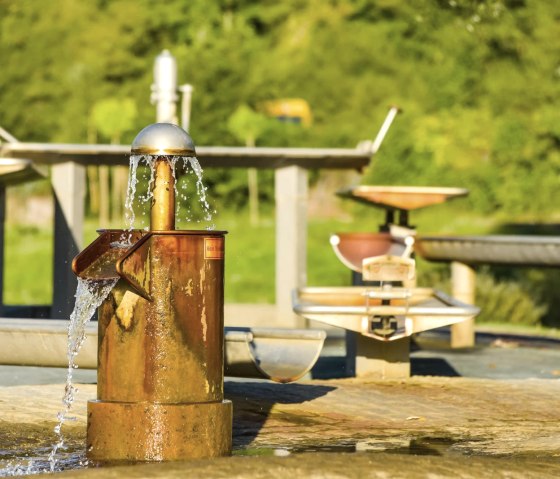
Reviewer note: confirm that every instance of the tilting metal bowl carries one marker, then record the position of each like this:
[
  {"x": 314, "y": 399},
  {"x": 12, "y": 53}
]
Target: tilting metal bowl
[{"x": 383, "y": 314}]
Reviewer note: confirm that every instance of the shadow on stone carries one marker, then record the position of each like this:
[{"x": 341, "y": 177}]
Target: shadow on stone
[
  {"x": 432, "y": 367},
  {"x": 329, "y": 367},
  {"x": 253, "y": 401}
]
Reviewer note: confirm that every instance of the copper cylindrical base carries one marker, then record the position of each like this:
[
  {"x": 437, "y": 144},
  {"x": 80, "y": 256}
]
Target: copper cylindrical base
[{"x": 120, "y": 431}]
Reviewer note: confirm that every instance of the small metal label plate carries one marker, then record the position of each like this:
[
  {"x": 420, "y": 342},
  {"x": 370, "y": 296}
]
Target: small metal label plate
[{"x": 213, "y": 248}]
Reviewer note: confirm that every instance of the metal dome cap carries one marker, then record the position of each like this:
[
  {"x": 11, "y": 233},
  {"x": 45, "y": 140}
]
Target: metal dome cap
[{"x": 163, "y": 139}]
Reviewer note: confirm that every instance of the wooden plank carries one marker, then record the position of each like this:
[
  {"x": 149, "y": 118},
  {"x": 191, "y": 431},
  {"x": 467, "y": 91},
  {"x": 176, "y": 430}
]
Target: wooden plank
[{"x": 209, "y": 156}]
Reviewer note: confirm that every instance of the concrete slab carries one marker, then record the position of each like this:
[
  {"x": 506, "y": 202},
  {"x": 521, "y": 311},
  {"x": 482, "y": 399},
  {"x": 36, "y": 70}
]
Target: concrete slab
[
  {"x": 424, "y": 427},
  {"x": 420, "y": 427}
]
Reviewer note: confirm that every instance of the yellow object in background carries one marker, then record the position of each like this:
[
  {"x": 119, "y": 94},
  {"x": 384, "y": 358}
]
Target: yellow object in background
[{"x": 290, "y": 110}]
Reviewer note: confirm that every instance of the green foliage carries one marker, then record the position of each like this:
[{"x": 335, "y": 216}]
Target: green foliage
[
  {"x": 478, "y": 81},
  {"x": 506, "y": 301},
  {"x": 247, "y": 125},
  {"x": 113, "y": 116},
  {"x": 33, "y": 248}
]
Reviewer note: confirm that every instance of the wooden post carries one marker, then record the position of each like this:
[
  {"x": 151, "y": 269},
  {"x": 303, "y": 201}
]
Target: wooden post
[
  {"x": 377, "y": 359},
  {"x": 2, "y": 231},
  {"x": 68, "y": 182},
  {"x": 463, "y": 285},
  {"x": 290, "y": 185}
]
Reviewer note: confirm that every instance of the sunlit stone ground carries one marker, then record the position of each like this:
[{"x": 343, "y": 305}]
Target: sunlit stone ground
[
  {"x": 496, "y": 415},
  {"x": 446, "y": 427}
]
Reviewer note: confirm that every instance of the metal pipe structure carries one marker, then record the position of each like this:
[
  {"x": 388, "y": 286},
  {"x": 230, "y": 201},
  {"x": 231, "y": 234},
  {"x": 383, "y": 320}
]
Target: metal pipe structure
[
  {"x": 161, "y": 332},
  {"x": 281, "y": 355},
  {"x": 391, "y": 114},
  {"x": 388, "y": 317},
  {"x": 186, "y": 101},
  {"x": 164, "y": 88}
]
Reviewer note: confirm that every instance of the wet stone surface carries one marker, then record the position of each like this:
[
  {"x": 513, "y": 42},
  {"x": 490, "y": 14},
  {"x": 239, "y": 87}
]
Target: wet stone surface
[
  {"x": 421, "y": 427},
  {"x": 335, "y": 466}
]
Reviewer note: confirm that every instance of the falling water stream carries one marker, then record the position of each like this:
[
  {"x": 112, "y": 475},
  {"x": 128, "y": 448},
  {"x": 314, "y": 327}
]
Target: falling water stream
[{"x": 90, "y": 294}]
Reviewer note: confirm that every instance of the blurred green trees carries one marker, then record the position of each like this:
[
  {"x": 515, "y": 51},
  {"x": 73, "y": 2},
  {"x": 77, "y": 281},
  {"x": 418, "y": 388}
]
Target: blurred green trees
[
  {"x": 478, "y": 80},
  {"x": 247, "y": 125}
]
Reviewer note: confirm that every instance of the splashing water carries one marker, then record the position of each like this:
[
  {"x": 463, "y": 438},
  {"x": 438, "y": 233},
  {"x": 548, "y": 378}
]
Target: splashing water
[
  {"x": 190, "y": 165},
  {"x": 200, "y": 188},
  {"x": 89, "y": 296},
  {"x": 131, "y": 191}
]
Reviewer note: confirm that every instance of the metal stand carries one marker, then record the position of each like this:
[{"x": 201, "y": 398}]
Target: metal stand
[{"x": 373, "y": 358}]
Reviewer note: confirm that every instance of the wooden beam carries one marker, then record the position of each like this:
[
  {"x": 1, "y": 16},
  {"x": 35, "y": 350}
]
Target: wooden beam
[
  {"x": 69, "y": 186},
  {"x": 209, "y": 156},
  {"x": 368, "y": 357},
  {"x": 291, "y": 240},
  {"x": 2, "y": 244},
  {"x": 463, "y": 285}
]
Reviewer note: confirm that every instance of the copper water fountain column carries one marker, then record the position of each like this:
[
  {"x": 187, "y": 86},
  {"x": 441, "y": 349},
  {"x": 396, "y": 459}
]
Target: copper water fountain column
[{"x": 160, "y": 357}]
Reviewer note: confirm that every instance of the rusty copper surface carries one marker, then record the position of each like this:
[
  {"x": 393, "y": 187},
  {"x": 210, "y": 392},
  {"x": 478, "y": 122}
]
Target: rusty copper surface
[
  {"x": 402, "y": 197},
  {"x": 98, "y": 260},
  {"x": 162, "y": 213},
  {"x": 173, "y": 344},
  {"x": 160, "y": 342},
  {"x": 158, "y": 432}
]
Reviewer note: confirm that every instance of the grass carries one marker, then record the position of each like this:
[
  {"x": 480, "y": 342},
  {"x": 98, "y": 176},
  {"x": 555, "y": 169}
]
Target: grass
[
  {"x": 250, "y": 255},
  {"x": 27, "y": 265},
  {"x": 523, "y": 329}
]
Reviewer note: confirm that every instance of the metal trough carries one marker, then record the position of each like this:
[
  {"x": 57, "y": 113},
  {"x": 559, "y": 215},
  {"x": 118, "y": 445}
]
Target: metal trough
[
  {"x": 276, "y": 354},
  {"x": 383, "y": 314},
  {"x": 282, "y": 355},
  {"x": 495, "y": 250}
]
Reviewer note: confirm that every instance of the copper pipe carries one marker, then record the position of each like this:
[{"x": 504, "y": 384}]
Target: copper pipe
[{"x": 162, "y": 215}]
